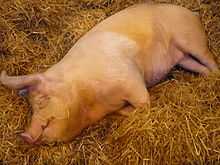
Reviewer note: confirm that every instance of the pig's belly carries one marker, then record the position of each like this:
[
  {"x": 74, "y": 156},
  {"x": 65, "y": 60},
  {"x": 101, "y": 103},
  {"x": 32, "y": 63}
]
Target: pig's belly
[
  {"x": 155, "y": 75},
  {"x": 155, "y": 79},
  {"x": 164, "y": 59}
]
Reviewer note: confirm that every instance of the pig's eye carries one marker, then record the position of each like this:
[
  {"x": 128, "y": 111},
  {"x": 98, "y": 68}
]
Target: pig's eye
[{"x": 23, "y": 92}]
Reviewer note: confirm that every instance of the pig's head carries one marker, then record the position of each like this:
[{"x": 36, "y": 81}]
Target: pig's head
[{"x": 56, "y": 113}]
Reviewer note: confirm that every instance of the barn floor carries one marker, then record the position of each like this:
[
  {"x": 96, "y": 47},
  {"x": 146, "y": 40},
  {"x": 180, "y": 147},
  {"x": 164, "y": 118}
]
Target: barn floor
[{"x": 182, "y": 127}]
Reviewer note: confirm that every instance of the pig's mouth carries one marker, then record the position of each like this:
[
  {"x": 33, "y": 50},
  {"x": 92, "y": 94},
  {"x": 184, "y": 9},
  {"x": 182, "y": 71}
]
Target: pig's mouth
[
  {"x": 29, "y": 139},
  {"x": 34, "y": 135}
]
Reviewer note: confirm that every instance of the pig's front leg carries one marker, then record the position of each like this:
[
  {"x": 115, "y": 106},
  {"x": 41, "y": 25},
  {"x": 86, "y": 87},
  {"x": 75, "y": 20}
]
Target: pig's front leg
[
  {"x": 125, "y": 111},
  {"x": 138, "y": 97}
]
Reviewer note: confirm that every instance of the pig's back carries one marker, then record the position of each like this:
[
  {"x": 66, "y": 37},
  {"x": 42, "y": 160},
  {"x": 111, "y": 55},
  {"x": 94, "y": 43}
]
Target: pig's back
[
  {"x": 140, "y": 22},
  {"x": 153, "y": 28}
]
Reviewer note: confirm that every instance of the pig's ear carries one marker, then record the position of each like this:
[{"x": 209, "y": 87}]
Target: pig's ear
[{"x": 20, "y": 82}]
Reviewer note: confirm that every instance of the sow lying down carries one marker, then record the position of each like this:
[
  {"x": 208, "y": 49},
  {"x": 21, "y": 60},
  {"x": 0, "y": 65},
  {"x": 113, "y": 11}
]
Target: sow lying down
[{"x": 110, "y": 68}]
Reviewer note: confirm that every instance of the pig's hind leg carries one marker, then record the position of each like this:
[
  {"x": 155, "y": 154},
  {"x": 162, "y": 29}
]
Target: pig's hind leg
[
  {"x": 191, "y": 64},
  {"x": 193, "y": 41}
]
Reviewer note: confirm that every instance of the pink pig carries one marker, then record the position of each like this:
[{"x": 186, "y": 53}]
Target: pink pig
[{"x": 110, "y": 68}]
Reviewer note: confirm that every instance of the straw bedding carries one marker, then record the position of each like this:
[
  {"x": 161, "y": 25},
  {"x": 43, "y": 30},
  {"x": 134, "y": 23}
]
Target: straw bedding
[{"x": 182, "y": 127}]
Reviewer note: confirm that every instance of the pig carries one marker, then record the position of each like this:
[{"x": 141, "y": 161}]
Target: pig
[{"x": 109, "y": 69}]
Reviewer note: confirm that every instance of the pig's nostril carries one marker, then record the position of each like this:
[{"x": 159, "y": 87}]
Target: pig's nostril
[{"x": 27, "y": 138}]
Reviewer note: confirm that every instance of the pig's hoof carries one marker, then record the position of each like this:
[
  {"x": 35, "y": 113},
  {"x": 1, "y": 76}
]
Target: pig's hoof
[{"x": 126, "y": 111}]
